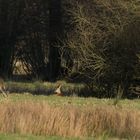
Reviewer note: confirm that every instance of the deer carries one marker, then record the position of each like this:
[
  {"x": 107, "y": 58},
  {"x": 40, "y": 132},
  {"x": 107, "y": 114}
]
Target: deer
[
  {"x": 58, "y": 91},
  {"x": 3, "y": 88}
]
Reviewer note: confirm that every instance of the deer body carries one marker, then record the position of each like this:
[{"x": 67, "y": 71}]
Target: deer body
[
  {"x": 58, "y": 91},
  {"x": 2, "y": 87}
]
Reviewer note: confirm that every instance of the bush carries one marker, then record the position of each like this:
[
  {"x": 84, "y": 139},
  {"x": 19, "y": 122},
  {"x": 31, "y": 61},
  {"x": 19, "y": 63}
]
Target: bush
[{"x": 104, "y": 42}]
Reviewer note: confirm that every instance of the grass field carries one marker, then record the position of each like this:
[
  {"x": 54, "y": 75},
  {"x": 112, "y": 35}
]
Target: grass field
[
  {"x": 31, "y": 137},
  {"x": 27, "y": 116},
  {"x": 69, "y": 116},
  {"x": 76, "y": 101}
]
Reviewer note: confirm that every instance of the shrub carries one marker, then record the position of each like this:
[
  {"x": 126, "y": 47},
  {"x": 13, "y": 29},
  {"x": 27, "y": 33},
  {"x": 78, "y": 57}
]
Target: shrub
[{"x": 104, "y": 42}]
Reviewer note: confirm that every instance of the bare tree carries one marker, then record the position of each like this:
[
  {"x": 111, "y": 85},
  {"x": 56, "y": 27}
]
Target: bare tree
[{"x": 100, "y": 42}]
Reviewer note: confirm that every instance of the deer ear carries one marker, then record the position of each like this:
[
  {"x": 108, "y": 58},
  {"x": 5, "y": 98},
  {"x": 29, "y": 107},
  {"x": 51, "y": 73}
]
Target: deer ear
[{"x": 58, "y": 85}]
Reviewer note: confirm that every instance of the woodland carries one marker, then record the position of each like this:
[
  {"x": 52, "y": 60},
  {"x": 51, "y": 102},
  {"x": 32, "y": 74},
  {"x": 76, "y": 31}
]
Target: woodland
[{"x": 94, "y": 42}]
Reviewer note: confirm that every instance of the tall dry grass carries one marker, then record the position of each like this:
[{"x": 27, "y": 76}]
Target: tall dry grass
[{"x": 39, "y": 118}]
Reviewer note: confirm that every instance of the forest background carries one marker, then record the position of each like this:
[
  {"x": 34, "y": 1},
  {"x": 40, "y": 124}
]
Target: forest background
[{"x": 95, "y": 42}]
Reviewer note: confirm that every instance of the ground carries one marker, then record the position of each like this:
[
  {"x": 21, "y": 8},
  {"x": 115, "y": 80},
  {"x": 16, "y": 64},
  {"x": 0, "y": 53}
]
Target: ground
[{"x": 79, "y": 118}]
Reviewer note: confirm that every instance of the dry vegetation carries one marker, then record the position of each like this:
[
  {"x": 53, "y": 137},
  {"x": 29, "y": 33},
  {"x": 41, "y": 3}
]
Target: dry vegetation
[{"x": 40, "y": 118}]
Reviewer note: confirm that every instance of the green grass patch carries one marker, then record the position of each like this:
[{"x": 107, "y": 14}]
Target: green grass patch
[
  {"x": 76, "y": 101},
  {"x": 31, "y": 137}
]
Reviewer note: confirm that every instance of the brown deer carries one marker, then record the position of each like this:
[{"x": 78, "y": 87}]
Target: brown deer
[
  {"x": 58, "y": 90},
  {"x": 2, "y": 87}
]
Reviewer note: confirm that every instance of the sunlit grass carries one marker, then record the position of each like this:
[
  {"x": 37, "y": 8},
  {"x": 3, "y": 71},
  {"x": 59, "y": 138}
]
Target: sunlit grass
[
  {"x": 39, "y": 117},
  {"x": 32, "y": 137},
  {"x": 77, "y": 101}
]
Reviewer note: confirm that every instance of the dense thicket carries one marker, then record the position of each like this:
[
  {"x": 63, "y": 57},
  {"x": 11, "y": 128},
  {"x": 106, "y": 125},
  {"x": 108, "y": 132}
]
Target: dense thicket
[
  {"x": 105, "y": 38},
  {"x": 95, "y": 40}
]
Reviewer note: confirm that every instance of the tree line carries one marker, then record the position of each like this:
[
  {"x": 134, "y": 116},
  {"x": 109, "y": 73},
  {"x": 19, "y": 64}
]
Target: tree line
[{"x": 96, "y": 42}]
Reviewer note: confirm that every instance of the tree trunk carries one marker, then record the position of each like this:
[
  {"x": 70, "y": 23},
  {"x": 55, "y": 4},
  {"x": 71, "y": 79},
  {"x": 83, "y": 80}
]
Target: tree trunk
[{"x": 55, "y": 33}]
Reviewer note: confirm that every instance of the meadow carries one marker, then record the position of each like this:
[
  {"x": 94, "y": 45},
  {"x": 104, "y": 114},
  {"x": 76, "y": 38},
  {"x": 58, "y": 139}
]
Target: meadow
[{"x": 30, "y": 116}]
